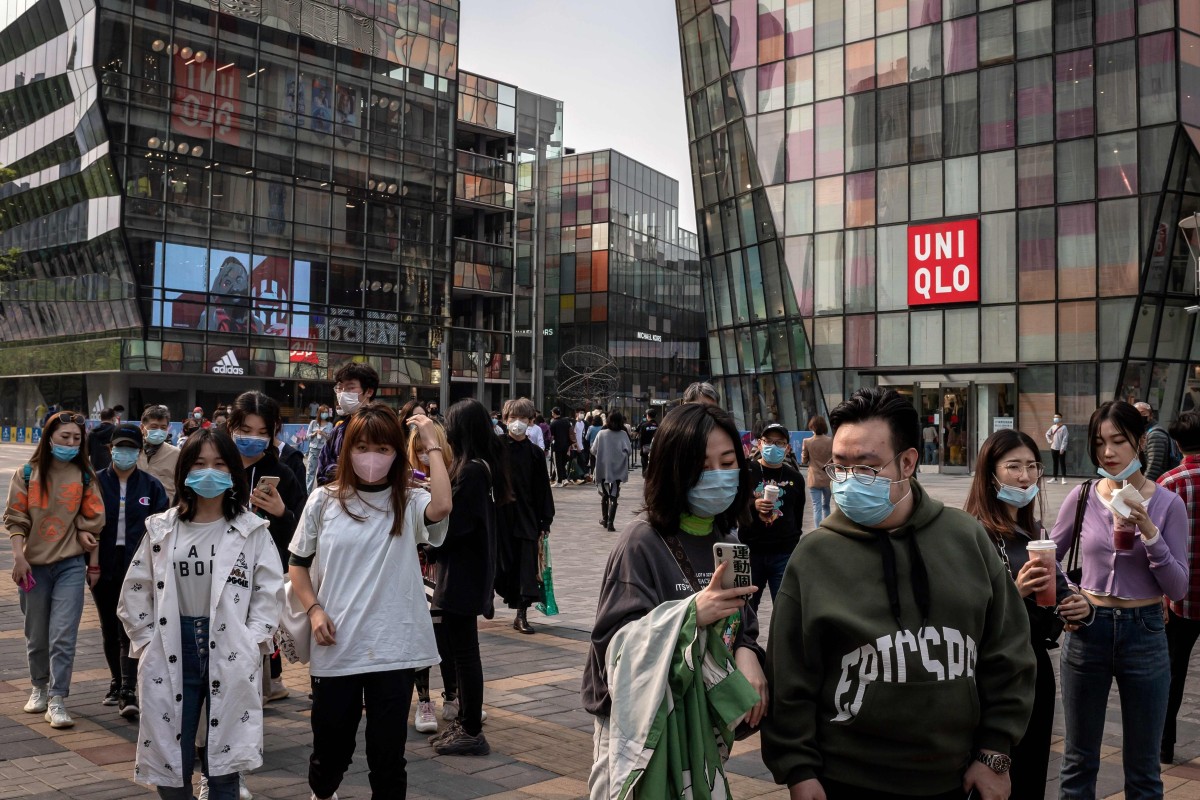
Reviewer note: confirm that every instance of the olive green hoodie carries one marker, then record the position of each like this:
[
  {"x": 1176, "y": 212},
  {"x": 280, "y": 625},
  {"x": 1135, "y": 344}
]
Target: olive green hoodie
[{"x": 894, "y": 657}]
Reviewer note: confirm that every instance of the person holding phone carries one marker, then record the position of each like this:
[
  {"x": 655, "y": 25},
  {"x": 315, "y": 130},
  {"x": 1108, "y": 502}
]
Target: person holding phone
[
  {"x": 663, "y": 564},
  {"x": 200, "y": 604},
  {"x": 53, "y": 515},
  {"x": 274, "y": 493}
]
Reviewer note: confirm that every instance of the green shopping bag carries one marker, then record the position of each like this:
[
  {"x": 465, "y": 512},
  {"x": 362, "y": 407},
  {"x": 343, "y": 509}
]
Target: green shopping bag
[{"x": 547, "y": 606}]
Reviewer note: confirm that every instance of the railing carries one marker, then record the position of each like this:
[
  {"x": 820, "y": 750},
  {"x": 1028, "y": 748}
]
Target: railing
[
  {"x": 482, "y": 266},
  {"x": 486, "y": 166}
]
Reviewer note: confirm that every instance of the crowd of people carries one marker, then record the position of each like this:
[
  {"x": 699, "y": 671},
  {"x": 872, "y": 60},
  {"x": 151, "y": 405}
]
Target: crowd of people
[{"x": 910, "y": 645}]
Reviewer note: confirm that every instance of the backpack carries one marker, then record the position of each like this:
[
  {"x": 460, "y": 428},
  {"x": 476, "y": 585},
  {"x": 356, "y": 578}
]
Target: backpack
[
  {"x": 1174, "y": 454},
  {"x": 27, "y": 471}
]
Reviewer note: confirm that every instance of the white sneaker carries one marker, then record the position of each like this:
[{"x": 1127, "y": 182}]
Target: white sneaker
[
  {"x": 313, "y": 796},
  {"x": 38, "y": 699},
  {"x": 450, "y": 711},
  {"x": 243, "y": 792},
  {"x": 276, "y": 690},
  {"x": 56, "y": 713},
  {"x": 426, "y": 721},
  {"x": 1064, "y": 481}
]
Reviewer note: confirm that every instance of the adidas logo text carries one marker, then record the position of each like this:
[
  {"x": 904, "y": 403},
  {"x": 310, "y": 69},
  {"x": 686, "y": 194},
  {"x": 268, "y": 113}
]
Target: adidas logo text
[{"x": 228, "y": 365}]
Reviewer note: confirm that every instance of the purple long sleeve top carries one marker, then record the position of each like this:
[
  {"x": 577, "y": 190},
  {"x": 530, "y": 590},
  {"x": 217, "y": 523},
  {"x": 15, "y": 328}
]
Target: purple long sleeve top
[{"x": 1147, "y": 571}]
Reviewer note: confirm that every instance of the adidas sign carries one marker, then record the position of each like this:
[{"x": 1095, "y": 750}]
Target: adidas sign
[{"x": 228, "y": 365}]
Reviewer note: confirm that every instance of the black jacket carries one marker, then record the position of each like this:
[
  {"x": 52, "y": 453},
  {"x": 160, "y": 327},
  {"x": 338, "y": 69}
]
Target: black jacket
[
  {"x": 532, "y": 509},
  {"x": 97, "y": 444},
  {"x": 466, "y": 561},
  {"x": 144, "y": 496},
  {"x": 292, "y": 493},
  {"x": 293, "y": 459}
]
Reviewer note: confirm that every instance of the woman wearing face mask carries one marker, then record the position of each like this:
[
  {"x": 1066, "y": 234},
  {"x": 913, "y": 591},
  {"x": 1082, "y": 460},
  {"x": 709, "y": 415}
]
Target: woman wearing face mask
[
  {"x": 319, "y": 430},
  {"x": 357, "y": 542},
  {"x": 1007, "y": 483},
  {"x": 660, "y": 595},
  {"x": 611, "y": 451},
  {"x": 279, "y": 500},
  {"x": 1132, "y": 552},
  {"x": 53, "y": 514},
  {"x": 200, "y": 604}
]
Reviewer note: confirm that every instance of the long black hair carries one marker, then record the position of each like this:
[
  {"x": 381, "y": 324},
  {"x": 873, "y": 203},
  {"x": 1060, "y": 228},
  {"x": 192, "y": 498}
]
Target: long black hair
[
  {"x": 982, "y": 502},
  {"x": 680, "y": 450},
  {"x": 234, "y": 499},
  {"x": 43, "y": 456},
  {"x": 471, "y": 436},
  {"x": 258, "y": 403}
]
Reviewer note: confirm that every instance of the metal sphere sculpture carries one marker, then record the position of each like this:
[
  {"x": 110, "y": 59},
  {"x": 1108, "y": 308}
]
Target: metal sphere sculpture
[{"x": 587, "y": 374}]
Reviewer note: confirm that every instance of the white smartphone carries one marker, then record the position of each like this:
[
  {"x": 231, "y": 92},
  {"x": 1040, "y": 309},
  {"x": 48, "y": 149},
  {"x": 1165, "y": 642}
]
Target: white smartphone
[
  {"x": 268, "y": 480},
  {"x": 737, "y": 574}
]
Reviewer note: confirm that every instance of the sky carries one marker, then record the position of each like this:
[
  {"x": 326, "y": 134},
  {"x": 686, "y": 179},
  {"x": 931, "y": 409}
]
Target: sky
[{"x": 613, "y": 63}]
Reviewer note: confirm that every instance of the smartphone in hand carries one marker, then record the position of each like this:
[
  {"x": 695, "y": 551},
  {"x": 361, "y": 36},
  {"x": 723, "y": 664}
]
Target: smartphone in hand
[
  {"x": 27, "y": 583},
  {"x": 737, "y": 574}
]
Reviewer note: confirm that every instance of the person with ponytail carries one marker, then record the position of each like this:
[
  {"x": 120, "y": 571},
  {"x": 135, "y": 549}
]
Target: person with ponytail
[{"x": 1005, "y": 497}]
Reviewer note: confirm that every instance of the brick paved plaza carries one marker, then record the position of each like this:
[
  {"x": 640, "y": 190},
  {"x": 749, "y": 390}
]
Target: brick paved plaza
[{"x": 540, "y": 738}]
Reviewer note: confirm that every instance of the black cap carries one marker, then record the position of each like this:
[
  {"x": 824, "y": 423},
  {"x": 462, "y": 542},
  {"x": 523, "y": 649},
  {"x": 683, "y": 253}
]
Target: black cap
[
  {"x": 776, "y": 426},
  {"x": 127, "y": 433}
]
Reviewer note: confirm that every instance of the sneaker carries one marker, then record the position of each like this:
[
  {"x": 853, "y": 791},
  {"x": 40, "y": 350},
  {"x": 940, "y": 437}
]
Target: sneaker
[
  {"x": 277, "y": 690},
  {"x": 450, "y": 711},
  {"x": 313, "y": 796},
  {"x": 110, "y": 699},
  {"x": 56, "y": 713},
  {"x": 243, "y": 792},
  {"x": 127, "y": 705},
  {"x": 37, "y": 701},
  {"x": 461, "y": 743},
  {"x": 450, "y": 729},
  {"x": 426, "y": 720}
]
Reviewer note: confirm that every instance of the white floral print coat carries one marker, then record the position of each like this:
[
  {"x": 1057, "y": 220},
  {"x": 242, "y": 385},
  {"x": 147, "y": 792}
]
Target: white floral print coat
[{"x": 243, "y": 616}]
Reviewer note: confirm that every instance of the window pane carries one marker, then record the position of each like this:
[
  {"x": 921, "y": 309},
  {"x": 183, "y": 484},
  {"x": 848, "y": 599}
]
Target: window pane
[
  {"x": 799, "y": 75},
  {"x": 925, "y": 200},
  {"x": 1072, "y": 23},
  {"x": 770, "y": 147},
  {"x": 800, "y": 143},
  {"x": 1035, "y": 254},
  {"x": 1117, "y": 165},
  {"x": 962, "y": 336},
  {"x": 860, "y": 270},
  {"x": 1116, "y": 82},
  {"x": 961, "y": 115},
  {"x": 828, "y": 24},
  {"x": 1077, "y": 250},
  {"x": 1035, "y": 175},
  {"x": 1035, "y": 102},
  {"x": 798, "y": 27},
  {"x": 958, "y": 45},
  {"x": 998, "y": 240},
  {"x": 1189, "y": 75},
  {"x": 830, "y": 203},
  {"x": 860, "y": 20},
  {"x": 923, "y": 12},
  {"x": 860, "y": 67},
  {"x": 829, "y": 273},
  {"x": 1034, "y": 31},
  {"x": 893, "y": 339},
  {"x": 996, "y": 37},
  {"x": 798, "y": 206},
  {"x": 893, "y": 126},
  {"x": 926, "y": 337},
  {"x": 891, "y": 203},
  {"x": 830, "y": 129},
  {"x": 1154, "y": 15},
  {"x": 771, "y": 87},
  {"x": 892, "y": 59},
  {"x": 1036, "y": 332},
  {"x": 997, "y": 121},
  {"x": 829, "y": 73},
  {"x": 1073, "y": 79},
  {"x": 860, "y": 199},
  {"x": 925, "y": 53},
  {"x": 999, "y": 176},
  {"x": 998, "y": 333},
  {"x": 1077, "y": 331},
  {"x": 1118, "y": 257},
  {"x": 962, "y": 186},
  {"x": 860, "y": 341},
  {"x": 860, "y": 132},
  {"x": 892, "y": 264},
  {"x": 890, "y": 16},
  {"x": 926, "y": 127},
  {"x": 1157, "y": 77},
  {"x": 1114, "y": 20},
  {"x": 1076, "y": 171}
]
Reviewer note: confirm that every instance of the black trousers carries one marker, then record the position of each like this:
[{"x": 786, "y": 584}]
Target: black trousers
[
  {"x": 561, "y": 457},
  {"x": 842, "y": 791},
  {"x": 1031, "y": 758},
  {"x": 337, "y": 708},
  {"x": 1060, "y": 463},
  {"x": 458, "y": 645},
  {"x": 123, "y": 669},
  {"x": 1181, "y": 638}
]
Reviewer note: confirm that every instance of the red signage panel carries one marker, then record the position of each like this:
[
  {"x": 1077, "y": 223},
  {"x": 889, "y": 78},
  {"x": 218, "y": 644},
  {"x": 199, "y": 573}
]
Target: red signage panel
[{"x": 943, "y": 263}]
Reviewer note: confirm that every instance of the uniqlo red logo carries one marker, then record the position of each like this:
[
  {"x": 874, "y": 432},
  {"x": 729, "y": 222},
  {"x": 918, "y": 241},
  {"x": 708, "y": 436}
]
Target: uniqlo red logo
[{"x": 943, "y": 263}]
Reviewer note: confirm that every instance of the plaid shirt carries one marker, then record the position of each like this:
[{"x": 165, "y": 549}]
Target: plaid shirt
[{"x": 1184, "y": 480}]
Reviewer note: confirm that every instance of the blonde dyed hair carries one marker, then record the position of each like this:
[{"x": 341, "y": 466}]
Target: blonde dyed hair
[{"x": 416, "y": 447}]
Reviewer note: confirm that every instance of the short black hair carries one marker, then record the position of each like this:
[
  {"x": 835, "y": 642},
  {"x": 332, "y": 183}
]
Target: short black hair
[
  {"x": 616, "y": 421},
  {"x": 107, "y": 414},
  {"x": 556, "y": 411},
  {"x": 365, "y": 374},
  {"x": 1185, "y": 430},
  {"x": 886, "y": 404},
  {"x": 254, "y": 403},
  {"x": 1127, "y": 419},
  {"x": 234, "y": 499}
]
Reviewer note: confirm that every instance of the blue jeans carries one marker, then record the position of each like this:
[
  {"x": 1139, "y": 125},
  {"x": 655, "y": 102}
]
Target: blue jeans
[
  {"x": 766, "y": 569},
  {"x": 1129, "y": 644},
  {"x": 52, "y": 613},
  {"x": 194, "y": 651},
  {"x": 931, "y": 452},
  {"x": 820, "y": 504}
]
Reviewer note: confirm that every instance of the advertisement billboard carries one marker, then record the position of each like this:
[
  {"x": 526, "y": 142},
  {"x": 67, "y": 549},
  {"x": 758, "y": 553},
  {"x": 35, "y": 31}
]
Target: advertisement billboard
[{"x": 943, "y": 263}]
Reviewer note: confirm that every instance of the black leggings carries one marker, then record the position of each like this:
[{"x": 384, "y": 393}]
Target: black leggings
[
  {"x": 458, "y": 645},
  {"x": 1059, "y": 458},
  {"x": 449, "y": 681},
  {"x": 121, "y": 668}
]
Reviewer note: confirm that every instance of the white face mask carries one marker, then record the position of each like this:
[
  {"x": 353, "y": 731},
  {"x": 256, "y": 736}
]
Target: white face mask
[
  {"x": 518, "y": 427},
  {"x": 347, "y": 402}
]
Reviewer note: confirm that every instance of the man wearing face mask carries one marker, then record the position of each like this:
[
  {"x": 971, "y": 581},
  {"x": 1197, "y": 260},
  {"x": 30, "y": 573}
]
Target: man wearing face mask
[
  {"x": 354, "y": 385},
  {"x": 158, "y": 456},
  {"x": 899, "y": 659},
  {"x": 130, "y": 496},
  {"x": 771, "y": 526},
  {"x": 1056, "y": 437}
]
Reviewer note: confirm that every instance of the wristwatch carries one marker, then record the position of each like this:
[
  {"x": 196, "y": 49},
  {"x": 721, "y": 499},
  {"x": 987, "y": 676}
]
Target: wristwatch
[{"x": 996, "y": 762}]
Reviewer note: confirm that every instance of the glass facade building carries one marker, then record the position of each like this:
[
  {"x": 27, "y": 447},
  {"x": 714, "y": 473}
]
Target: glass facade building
[
  {"x": 259, "y": 189},
  {"x": 1063, "y": 132},
  {"x": 622, "y": 277}
]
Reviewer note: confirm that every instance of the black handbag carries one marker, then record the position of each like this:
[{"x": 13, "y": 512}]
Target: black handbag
[{"x": 1074, "y": 569}]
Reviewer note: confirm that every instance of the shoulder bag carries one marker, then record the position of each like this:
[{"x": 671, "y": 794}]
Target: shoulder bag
[
  {"x": 1074, "y": 569},
  {"x": 294, "y": 634}
]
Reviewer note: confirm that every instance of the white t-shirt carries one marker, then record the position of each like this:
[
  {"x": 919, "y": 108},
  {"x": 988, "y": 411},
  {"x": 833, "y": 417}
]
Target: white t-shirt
[
  {"x": 193, "y": 555},
  {"x": 370, "y": 582},
  {"x": 535, "y": 435},
  {"x": 121, "y": 516}
]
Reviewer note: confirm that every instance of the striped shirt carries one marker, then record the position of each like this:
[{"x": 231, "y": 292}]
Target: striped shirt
[{"x": 1184, "y": 480}]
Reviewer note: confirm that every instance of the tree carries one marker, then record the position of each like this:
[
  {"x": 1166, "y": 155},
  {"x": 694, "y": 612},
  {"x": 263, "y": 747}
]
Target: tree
[{"x": 8, "y": 258}]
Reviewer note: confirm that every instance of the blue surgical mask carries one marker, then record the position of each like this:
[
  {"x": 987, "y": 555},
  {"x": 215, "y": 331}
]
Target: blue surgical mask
[
  {"x": 209, "y": 482},
  {"x": 64, "y": 453},
  {"x": 1124, "y": 474},
  {"x": 324, "y": 415},
  {"x": 125, "y": 457},
  {"x": 156, "y": 436},
  {"x": 251, "y": 446},
  {"x": 774, "y": 454},
  {"x": 714, "y": 492},
  {"x": 1015, "y": 496},
  {"x": 866, "y": 505}
]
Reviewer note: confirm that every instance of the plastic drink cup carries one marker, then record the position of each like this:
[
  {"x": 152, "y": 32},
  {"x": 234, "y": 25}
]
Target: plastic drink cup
[
  {"x": 771, "y": 493},
  {"x": 1123, "y": 534},
  {"x": 1046, "y": 552}
]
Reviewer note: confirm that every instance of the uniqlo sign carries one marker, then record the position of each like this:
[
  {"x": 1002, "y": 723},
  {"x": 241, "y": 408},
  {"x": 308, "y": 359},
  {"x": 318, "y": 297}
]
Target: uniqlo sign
[{"x": 943, "y": 263}]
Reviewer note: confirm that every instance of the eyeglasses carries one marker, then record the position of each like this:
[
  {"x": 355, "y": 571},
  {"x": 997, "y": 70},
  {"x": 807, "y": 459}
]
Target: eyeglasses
[
  {"x": 1034, "y": 468},
  {"x": 67, "y": 416},
  {"x": 862, "y": 473}
]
